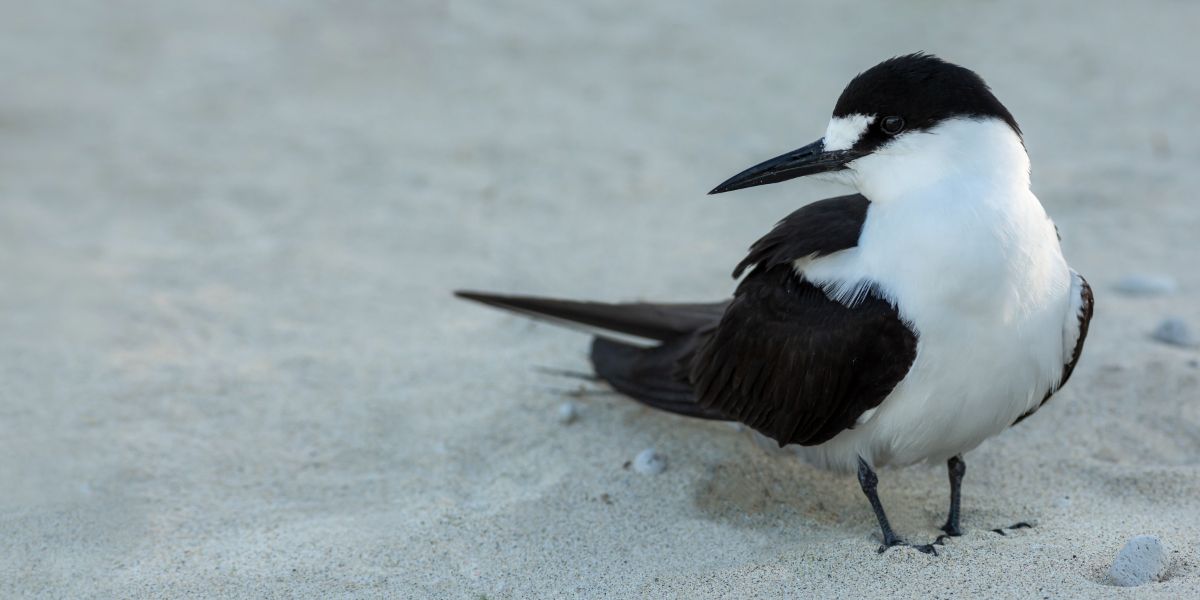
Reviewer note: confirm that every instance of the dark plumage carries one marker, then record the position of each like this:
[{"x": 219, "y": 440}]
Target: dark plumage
[
  {"x": 797, "y": 366},
  {"x": 780, "y": 357},
  {"x": 923, "y": 90},
  {"x": 641, "y": 319},
  {"x": 816, "y": 229}
]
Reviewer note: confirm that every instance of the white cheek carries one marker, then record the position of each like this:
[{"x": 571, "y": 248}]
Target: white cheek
[{"x": 843, "y": 132}]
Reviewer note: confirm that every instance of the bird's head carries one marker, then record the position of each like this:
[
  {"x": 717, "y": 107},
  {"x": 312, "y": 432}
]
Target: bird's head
[{"x": 903, "y": 122}]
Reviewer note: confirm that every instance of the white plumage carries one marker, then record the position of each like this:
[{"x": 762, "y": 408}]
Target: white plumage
[{"x": 956, "y": 239}]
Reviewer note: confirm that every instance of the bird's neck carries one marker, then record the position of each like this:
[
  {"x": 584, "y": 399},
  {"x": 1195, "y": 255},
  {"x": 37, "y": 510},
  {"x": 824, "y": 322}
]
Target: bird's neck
[
  {"x": 971, "y": 159},
  {"x": 954, "y": 218}
]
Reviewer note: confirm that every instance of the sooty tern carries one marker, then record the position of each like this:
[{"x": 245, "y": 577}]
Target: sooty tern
[{"x": 908, "y": 322}]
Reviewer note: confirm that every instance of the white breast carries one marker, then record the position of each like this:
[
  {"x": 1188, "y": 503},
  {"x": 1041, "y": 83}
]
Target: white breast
[{"x": 974, "y": 266}]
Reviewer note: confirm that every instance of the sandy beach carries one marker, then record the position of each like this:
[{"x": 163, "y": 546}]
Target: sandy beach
[{"x": 230, "y": 364}]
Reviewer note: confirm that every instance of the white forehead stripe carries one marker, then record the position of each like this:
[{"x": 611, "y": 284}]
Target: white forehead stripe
[{"x": 843, "y": 132}]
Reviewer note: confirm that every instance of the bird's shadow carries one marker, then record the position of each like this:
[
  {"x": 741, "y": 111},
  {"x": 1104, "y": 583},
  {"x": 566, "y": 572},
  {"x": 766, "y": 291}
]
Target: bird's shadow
[{"x": 757, "y": 490}]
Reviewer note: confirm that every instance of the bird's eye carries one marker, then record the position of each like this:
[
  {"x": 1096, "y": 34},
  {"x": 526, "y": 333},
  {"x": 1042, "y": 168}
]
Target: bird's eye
[{"x": 892, "y": 125}]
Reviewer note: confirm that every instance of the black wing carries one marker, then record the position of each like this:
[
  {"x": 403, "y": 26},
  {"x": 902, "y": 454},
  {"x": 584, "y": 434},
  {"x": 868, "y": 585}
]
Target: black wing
[
  {"x": 796, "y": 366},
  {"x": 815, "y": 229},
  {"x": 661, "y": 377},
  {"x": 781, "y": 357}
]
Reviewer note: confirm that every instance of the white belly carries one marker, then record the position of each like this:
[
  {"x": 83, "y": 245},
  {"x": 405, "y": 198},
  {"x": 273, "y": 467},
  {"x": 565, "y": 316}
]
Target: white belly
[{"x": 985, "y": 287}]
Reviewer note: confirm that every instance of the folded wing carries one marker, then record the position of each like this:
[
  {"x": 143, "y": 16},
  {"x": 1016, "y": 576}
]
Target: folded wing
[
  {"x": 796, "y": 366},
  {"x": 780, "y": 357}
]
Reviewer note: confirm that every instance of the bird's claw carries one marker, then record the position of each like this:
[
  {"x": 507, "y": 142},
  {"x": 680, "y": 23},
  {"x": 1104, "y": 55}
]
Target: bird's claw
[{"x": 951, "y": 531}]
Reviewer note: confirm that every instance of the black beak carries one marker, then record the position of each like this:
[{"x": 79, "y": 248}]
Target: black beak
[{"x": 809, "y": 160}]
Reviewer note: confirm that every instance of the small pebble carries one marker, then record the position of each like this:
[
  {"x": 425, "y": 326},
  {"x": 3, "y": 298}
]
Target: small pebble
[
  {"x": 1143, "y": 560},
  {"x": 1146, "y": 284},
  {"x": 1176, "y": 332},
  {"x": 649, "y": 462},
  {"x": 567, "y": 413}
]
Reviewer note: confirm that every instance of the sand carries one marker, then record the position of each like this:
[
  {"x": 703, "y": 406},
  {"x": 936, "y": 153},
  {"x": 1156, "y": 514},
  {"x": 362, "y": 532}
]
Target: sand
[{"x": 230, "y": 364}]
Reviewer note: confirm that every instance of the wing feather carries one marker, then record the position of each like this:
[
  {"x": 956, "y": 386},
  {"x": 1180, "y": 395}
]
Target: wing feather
[{"x": 797, "y": 366}]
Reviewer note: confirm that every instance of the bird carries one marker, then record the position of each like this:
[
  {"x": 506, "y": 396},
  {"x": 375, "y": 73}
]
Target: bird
[{"x": 904, "y": 323}]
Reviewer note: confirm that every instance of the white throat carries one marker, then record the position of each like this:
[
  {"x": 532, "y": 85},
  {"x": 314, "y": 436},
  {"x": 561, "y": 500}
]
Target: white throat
[{"x": 952, "y": 221}]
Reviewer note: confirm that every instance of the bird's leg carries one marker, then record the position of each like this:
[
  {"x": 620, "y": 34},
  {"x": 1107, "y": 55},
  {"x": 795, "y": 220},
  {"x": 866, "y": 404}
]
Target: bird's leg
[
  {"x": 869, "y": 481},
  {"x": 956, "y": 468}
]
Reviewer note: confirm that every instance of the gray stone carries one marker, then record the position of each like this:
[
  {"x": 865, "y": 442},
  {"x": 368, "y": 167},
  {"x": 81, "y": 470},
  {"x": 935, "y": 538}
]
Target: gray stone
[
  {"x": 567, "y": 413},
  {"x": 649, "y": 462},
  {"x": 1176, "y": 332},
  {"x": 1146, "y": 284},
  {"x": 1143, "y": 559}
]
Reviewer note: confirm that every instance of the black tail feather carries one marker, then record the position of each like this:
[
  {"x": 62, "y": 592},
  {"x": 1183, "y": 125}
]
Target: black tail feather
[
  {"x": 653, "y": 376},
  {"x": 646, "y": 320},
  {"x": 649, "y": 375}
]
